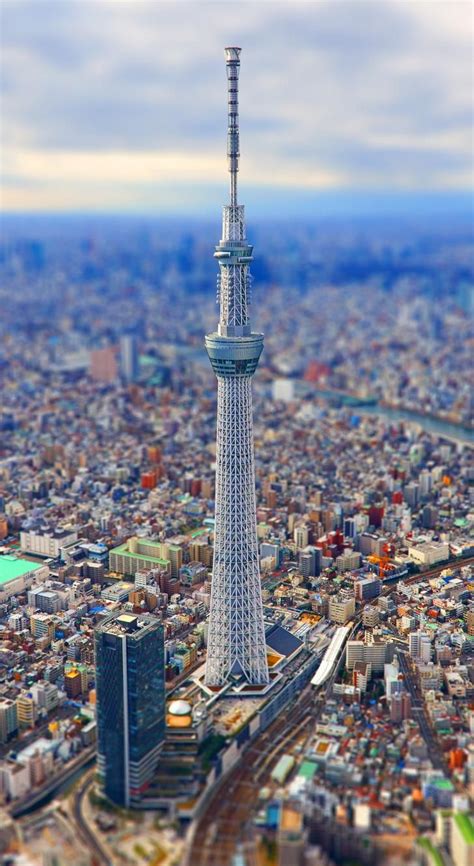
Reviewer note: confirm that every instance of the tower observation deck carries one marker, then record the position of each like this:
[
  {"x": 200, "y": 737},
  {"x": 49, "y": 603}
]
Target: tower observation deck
[{"x": 236, "y": 641}]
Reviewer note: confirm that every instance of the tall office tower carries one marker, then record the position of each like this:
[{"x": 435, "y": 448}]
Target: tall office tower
[
  {"x": 130, "y": 704},
  {"x": 129, "y": 364},
  {"x": 236, "y": 644}
]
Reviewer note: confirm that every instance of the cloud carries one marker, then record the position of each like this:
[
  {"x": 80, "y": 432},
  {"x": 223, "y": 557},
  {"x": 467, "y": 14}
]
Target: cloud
[{"x": 333, "y": 94}]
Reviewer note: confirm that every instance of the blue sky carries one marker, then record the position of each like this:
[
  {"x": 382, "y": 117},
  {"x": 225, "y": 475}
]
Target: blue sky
[{"x": 112, "y": 105}]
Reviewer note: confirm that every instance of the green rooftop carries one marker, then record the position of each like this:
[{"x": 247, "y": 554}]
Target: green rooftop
[
  {"x": 122, "y": 550},
  {"x": 443, "y": 785},
  {"x": 307, "y": 769},
  {"x": 11, "y": 567},
  {"x": 466, "y": 826}
]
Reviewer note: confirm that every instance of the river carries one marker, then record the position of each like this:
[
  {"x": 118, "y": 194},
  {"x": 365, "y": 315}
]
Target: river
[{"x": 444, "y": 429}]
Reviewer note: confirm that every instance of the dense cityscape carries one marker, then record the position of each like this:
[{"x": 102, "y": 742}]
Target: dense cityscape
[
  {"x": 236, "y": 534},
  {"x": 364, "y": 519}
]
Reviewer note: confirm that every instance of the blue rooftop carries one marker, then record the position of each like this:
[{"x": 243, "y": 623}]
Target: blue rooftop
[{"x": 282, "y": 641}]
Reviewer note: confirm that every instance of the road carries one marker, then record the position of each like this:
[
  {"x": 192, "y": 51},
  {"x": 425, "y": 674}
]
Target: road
[
  {"x": 420, "y": 715},
  {"x": 100, "y": 856}
]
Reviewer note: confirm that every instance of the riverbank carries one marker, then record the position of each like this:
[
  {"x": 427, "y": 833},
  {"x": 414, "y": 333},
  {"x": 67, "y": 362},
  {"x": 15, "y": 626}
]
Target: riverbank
[{"x": 448, "y": 430}]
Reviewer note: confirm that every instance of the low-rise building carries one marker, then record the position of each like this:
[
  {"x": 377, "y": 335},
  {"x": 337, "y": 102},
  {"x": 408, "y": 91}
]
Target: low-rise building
[
  {"x": 139, "y": 554},
  {"x": 46, "y": 540},
  {"x": 429, "y": 553},
  {"x": 26, "y": 710},
  {"x": 18, "y": 574}
]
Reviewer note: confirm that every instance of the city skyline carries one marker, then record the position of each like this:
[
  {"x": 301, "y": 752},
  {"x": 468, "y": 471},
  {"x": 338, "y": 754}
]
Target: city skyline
[{"x": 117, "y": 106}]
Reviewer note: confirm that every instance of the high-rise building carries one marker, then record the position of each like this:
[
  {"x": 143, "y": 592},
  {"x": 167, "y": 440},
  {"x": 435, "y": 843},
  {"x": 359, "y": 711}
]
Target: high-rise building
[
  {"x": 429, "y": 517},
  {"x": 400, "y": 707},
  {"x": 129, "y": 365},
  {"x": 425, "y": 482},
  {"x": 236, "y": 643},
  {"x": 130, "y": 704},
  {"x": 103, "y": 364},
  {"x": 411, "y": 494},
  {"x": 419, "y": 646},
  {"x": 301, "y": 536},
  {"x": 272, "y": 549},
  {"x": 8, "y": 720},
  {"x": 349, "y": 527},
  {"x": 370, "y": 616},
  {"x": 375, "y": 648},
  {"x": 73, "y": 683},
  {"x": 309, "y": 561}
]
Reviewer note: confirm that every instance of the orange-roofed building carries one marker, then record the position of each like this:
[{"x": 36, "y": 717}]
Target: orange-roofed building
[{"x": 457, "y": 759}]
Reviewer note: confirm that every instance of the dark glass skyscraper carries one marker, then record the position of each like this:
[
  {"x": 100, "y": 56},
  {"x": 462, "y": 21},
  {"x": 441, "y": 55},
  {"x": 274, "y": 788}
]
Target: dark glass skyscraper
[{"x": 130, "y": 704}]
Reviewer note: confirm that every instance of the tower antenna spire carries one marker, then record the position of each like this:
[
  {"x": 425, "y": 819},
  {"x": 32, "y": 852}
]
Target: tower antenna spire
[{"x": 232, "y": 56}]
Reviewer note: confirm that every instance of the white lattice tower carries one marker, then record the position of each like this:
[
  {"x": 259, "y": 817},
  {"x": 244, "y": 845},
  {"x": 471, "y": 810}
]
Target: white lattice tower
[{"x": 236, "y": 641}]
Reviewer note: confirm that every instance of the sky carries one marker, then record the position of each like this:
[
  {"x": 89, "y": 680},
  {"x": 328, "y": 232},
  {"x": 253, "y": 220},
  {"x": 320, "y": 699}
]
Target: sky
[{"x": 110, "y": 105}]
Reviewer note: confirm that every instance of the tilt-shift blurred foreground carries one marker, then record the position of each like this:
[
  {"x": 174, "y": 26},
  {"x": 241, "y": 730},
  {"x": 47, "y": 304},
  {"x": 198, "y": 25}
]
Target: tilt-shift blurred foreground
[{"x": 236, "y": 584}]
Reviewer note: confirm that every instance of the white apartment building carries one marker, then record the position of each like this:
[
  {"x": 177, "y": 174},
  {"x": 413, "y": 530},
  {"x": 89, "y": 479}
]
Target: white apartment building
[
  {"x": 373, "y": 649},
  {"x": 419, "y": 646},
  {"x": 46, "y": 540}
]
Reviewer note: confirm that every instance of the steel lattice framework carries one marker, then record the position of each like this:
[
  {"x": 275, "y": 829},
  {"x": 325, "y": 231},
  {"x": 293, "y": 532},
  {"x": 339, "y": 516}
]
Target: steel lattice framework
[{"x": 236, "y": 641}]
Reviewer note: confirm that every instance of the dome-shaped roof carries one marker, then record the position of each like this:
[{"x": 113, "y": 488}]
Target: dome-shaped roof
[{"x": 179, "y": 708}]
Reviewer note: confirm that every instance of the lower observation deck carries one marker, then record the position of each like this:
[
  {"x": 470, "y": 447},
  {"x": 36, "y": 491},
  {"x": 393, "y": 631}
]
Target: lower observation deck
[{"x": 234, "y": 356}]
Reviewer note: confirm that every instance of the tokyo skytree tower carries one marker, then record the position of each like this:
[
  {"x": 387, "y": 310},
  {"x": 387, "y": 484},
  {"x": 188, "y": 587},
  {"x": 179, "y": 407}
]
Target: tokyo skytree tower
[{"x": 236, "y": 641}]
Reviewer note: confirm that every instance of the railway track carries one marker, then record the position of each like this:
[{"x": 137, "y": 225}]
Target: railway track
[{"x": 220, "y": 826}]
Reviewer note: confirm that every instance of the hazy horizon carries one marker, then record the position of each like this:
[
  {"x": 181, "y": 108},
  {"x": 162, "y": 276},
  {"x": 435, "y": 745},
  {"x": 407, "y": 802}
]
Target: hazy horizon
[{"x": 121, "y": 107}]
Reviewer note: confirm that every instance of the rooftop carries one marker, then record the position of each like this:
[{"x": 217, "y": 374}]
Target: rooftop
[
  {"x": 11, "y": 567},
  {"x": 122, "y": 550},
  {"x": 307, "y": 769}
]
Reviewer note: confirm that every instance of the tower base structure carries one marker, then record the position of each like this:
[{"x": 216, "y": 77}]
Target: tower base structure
[{"x": 236, "y": 642}]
